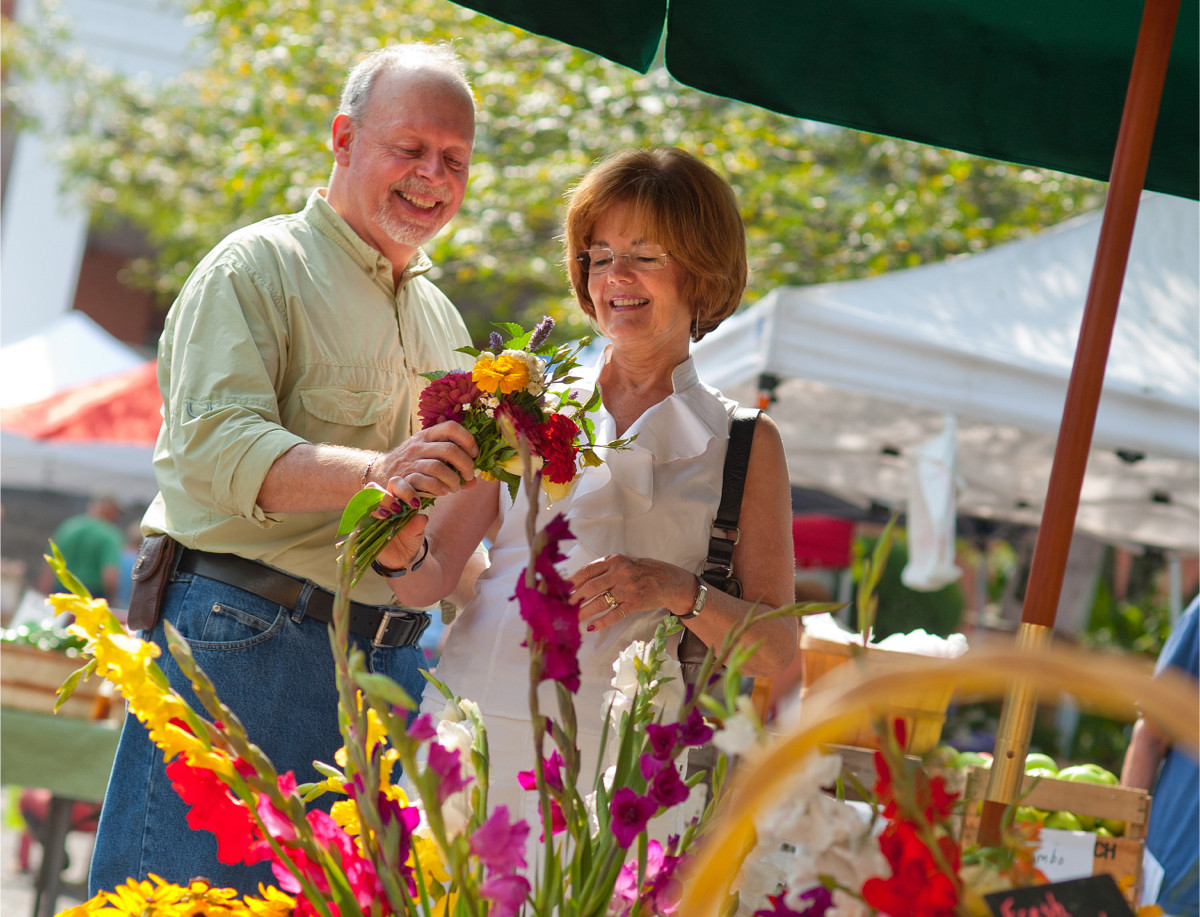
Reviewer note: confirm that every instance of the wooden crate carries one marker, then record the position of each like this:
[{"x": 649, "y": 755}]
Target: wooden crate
[
  {"x": 922, "y": 710},
  {"x": 30, "y": 678},
  {"x": 1120, "y": 857}
]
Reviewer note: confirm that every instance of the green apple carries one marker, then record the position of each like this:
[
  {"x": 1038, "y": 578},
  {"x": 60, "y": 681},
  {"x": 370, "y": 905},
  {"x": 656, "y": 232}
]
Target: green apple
[
  {"x": 1037, "y": 759},
  {"x": 1088, "y": 773},
  {"x": 1102, "y": 831},
  {"x": 943, "y": 756},
  {"x": 1029, "y": 813},
  {"x": 967, "y": 759},
  {"x": 1063, "y": 821},
  {"x": 1040, "y": 772},
  {"x": 1112, "y": 826}
]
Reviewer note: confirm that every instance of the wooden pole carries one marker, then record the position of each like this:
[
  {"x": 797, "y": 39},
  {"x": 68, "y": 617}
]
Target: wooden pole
[{"x": 1126, "y": 180}]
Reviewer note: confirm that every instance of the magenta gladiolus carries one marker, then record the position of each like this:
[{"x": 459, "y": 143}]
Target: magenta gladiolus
[{"x": 630, "y": 812}]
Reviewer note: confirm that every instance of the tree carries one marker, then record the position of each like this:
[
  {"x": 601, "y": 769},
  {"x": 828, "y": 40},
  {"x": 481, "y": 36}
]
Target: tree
[{"x": 245, "y": 135}]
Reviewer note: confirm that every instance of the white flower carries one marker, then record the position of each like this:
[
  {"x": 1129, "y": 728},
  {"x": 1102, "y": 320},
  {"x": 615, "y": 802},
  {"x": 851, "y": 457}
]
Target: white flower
[
  {"x": 633, "y": 659},
  {"x": 617, "y": 703},
  {"x": 740, "y": 731}
]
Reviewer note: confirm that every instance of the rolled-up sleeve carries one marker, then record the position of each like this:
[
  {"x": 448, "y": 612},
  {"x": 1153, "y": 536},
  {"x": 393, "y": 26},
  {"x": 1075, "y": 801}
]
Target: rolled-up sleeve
[{"x": 229, "y": 339}]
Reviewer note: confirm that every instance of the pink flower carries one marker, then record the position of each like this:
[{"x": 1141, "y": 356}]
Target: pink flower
[
  {"x": 499, "y": 844},
  {"x": 660, "y": 891},
  {"x": 447, "y": 398},
  {"x": 630, "y": 812},
  {"x": 695, "y": 731},
  {"x": 506, "y": 892},
  {"x": 819, "y": 900},
  {"x": 552, "y": 768},
  {"x": 554, "y": 630},
  {"x": 666, "y": 786},
  {"x": 662, "y": 739},
  {"x": 448, "y": 766},
  {"x": 422, "y": 728}
]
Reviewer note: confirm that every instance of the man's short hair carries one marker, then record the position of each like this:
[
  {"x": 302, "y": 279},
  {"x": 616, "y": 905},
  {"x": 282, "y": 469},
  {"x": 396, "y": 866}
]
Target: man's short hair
[{"x": 435, "y": 56}]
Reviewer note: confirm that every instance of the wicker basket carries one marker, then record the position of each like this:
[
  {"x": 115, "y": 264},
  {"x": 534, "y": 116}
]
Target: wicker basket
[{"x": 923, "y": 710}]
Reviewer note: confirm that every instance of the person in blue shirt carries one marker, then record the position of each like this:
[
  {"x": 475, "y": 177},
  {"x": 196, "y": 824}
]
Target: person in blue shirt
[{"x": 1173, "y": 835}]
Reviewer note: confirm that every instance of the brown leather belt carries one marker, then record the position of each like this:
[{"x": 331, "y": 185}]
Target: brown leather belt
[{"x": 385, "y": 625}]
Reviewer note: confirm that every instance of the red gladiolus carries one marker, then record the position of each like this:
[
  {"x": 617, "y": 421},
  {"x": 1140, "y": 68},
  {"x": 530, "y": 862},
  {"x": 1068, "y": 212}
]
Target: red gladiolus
[
  {"x": 215, "y": 809},
  {"x": 917, "y": 886}
]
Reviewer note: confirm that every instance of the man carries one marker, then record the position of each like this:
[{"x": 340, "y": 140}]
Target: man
[
  {"x": 290, "y": 366},
  {"x": 1154, "y": 763},
  {"x": 91, "y": 545}
]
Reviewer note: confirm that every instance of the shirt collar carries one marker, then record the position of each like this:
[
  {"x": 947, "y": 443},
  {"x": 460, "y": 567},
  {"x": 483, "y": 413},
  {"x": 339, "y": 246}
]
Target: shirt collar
[{"x": 329, "y": 222}]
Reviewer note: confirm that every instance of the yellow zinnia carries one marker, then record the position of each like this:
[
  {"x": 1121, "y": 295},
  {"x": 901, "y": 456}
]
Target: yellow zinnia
[{"x": 506, "y": 373}]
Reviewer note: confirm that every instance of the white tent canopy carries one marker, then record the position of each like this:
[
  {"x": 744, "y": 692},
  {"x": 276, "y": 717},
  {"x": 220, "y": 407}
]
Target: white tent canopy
[{"x": 869, "y": 369}]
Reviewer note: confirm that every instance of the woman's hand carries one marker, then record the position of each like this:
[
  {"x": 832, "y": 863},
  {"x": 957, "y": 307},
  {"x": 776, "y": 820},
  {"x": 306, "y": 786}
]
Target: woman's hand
[
  {"x": 401, "y": 550},
  {"x": 610, "y": 589}
]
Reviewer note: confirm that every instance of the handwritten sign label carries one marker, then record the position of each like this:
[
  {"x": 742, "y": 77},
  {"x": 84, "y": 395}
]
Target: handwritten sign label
[
  {"x": 1063, "y": 855},
  {"x": 1095, "y": 896}
]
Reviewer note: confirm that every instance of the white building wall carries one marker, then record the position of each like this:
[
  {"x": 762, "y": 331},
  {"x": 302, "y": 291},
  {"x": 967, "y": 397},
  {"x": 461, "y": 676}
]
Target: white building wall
[{"x": 44, "y": 233}]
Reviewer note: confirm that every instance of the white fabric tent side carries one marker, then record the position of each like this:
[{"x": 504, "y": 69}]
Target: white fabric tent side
[{"x": 869, "y": 368}]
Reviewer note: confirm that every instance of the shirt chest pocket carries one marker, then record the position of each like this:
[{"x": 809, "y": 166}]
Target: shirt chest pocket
[
  {"x": 345, "y": 405},
  {"x": 330, "y": 405}
]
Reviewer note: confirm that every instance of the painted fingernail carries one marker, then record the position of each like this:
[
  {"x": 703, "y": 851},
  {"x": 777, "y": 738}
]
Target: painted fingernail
[
  {"x": 590, "y": 628},
  {"x": 415, "y": 502}
]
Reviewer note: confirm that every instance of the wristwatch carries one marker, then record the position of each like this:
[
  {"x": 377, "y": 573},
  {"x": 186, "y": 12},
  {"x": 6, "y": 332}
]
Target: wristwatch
[{"x": 701, "y": 598}]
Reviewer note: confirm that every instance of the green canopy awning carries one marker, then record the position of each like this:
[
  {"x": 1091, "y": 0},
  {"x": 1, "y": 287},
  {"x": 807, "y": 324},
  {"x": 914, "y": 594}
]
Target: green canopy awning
[{"x": 1028, "y": 81}]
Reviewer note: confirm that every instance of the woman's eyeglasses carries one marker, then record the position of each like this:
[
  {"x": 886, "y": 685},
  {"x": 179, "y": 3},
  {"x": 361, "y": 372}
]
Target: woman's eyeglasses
[{"x": 601, "y": 260}]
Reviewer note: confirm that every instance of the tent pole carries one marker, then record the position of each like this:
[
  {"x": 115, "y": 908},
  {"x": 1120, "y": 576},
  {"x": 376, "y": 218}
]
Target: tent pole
[{"x": 1126, "y": 179}]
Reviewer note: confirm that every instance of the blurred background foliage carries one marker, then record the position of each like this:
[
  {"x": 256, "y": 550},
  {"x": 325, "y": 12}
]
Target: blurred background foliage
[{"x": 245, "y": 135}]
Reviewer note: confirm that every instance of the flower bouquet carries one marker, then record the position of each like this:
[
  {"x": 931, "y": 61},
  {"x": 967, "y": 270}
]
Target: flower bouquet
[
  {"x": 519, "y": 387},
  {"x": 429, "y": 843}
]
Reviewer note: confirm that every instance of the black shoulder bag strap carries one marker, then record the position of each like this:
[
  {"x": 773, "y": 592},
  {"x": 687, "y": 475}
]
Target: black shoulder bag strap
[{"x": 718, "y": 566}]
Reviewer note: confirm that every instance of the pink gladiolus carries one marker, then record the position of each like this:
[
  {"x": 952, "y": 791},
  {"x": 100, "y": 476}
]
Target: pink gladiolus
[
  {"x": 506, "y": 892},
  {"x": 695, "y": 731},
  {"x": 422, "y": 728},
  {"x": 499, "y": 844},
  {"x": 447, "y": 765},
  {"x": 663, "y": 739}
]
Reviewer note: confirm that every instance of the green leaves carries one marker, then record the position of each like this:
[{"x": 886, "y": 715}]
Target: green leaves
[
  {"x": 361, "y": 505},
  {"x": 245, "y": 135}
]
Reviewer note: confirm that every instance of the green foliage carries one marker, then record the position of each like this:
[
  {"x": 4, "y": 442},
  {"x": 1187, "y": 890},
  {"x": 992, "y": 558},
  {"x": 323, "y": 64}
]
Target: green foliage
[
  {"x": 901, "y": 609},
  {"x": 246, "y": 135}
]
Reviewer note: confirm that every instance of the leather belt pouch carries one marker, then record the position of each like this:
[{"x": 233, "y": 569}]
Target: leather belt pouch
[{"x": 152, "y": 570}]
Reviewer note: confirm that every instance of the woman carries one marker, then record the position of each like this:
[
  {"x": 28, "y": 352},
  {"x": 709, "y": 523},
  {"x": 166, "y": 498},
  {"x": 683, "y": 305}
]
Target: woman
[{"x": 656, "y": 252}]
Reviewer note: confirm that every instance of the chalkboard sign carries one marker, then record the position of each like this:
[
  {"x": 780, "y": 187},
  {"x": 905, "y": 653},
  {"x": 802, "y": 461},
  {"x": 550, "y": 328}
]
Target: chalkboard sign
[{"x": 1095, "y": 896}]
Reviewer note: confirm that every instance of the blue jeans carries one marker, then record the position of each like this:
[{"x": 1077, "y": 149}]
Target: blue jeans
[{"x": 275, "y": 670}]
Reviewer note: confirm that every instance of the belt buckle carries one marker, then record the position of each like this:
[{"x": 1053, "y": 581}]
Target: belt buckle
[{"x": 386, "y": 620}]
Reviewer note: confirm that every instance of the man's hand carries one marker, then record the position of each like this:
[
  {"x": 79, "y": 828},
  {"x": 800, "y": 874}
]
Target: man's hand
[{"x": 436, "y": 461}]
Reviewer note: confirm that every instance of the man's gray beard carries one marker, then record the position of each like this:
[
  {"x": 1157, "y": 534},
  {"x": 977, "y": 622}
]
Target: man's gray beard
[{"x": 400, "y": 231}]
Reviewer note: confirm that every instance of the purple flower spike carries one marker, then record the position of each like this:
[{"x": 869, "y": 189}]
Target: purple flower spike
[
  {"x": 495, "y": 342},
  {"x": 541, "y": 333}
]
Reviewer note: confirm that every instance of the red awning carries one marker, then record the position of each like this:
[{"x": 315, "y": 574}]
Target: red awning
[
  {"x": 124, "y": 408},
  {"x": 822, "y": 541}
]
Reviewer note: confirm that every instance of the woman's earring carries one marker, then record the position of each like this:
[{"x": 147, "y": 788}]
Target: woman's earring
[{"x": 696, "y": 327}]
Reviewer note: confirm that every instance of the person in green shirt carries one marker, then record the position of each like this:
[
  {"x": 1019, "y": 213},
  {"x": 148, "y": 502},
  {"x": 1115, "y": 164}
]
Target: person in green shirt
[
  {"x": 290, "y": 367},
  {"x": 91, "y": 545}
]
